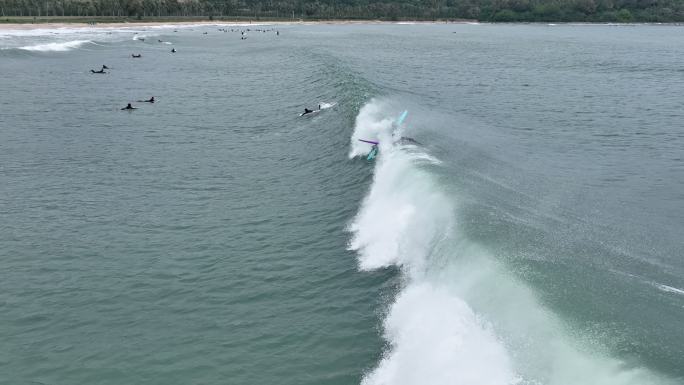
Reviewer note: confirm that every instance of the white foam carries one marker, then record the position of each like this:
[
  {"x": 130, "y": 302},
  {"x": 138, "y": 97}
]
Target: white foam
[
  {"x": 403, "y": 212},
  {"x": 56, "y": 47},
  {"x": 436, "y": 339},
  {"x": 670, "y": 289},
  {"x": 400, "y": 217},
  {"x": 372, "y": 123}
]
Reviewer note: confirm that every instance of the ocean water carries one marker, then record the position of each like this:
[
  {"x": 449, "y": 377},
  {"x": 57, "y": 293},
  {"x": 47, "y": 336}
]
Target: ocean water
[{"x": 528, "y": 228}]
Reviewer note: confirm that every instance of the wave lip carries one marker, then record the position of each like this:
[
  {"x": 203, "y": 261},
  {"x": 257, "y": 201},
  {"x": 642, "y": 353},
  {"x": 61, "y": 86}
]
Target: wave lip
[{"x": 56, "y": 47}]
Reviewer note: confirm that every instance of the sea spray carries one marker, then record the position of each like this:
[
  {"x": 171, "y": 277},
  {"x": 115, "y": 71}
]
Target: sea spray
[
  {"x": 437, "y": 339},
  {"x": 372, "y": 123},
  {"x": 543, "y": 348}
]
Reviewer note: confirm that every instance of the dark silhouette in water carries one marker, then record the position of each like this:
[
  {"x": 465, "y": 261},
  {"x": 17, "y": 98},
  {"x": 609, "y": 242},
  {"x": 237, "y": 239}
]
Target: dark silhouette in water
[
  {"x": 102, "y": 71},
  {"x": 173, "y": 50},
  {"x": 129, "y": 107},
  {"x": 150, "y": 100},
  {"x": 136, "y": 56}
]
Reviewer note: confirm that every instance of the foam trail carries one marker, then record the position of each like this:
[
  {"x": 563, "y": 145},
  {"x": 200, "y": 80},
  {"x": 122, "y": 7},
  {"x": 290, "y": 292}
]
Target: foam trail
[{"x": 56, "y": 47}]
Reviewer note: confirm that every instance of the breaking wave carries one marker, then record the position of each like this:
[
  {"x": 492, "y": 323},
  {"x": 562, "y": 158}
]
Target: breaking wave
[
  {"x": 459, "y": 317},
  {"x": 56, "y": 47}
]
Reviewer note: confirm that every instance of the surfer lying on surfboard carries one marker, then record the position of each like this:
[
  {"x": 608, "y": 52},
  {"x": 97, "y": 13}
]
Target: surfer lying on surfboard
[{"x": 308, "y": 111}]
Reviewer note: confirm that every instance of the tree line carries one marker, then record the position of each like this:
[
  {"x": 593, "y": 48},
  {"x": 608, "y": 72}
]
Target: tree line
[{"x": 482, "y": 10}]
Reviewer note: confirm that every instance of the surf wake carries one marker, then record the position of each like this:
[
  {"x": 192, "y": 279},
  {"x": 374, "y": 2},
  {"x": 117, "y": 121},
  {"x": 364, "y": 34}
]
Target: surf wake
[{"x": 459, "y": 317}]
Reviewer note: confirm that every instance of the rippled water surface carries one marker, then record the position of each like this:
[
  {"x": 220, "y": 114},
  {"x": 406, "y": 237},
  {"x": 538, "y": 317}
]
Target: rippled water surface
[{"x": 528, "y": 231}]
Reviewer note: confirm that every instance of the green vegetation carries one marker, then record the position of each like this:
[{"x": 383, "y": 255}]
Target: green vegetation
[{"x": 483, "y": 10}]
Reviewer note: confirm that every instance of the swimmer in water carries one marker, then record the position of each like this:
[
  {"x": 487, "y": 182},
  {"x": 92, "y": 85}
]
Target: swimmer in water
[{"x": 129, "y": 107}]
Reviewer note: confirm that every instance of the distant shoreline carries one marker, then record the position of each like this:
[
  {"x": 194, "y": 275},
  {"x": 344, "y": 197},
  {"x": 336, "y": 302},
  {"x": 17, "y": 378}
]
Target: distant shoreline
[
  {"x": 50, "y": 22},
  {"x": 44, "y": 23}
]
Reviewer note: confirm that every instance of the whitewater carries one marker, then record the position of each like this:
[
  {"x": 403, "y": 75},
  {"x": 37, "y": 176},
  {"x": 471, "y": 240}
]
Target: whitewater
[{"x": 458, "y": 318}]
